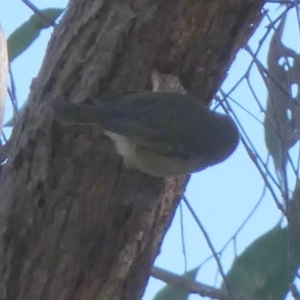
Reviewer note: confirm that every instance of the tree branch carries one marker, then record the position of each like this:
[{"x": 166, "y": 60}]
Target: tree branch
[
  {"x": 194, "y": 287},
  {"x": 75, "y": 223}
]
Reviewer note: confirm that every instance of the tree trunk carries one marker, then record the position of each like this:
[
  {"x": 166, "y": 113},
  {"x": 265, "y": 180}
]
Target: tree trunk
[{"x": 75, "y": 222}]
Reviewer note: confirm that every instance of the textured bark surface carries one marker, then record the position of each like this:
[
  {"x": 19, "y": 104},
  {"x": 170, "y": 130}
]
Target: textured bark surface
[{"x": 75, "y": 223}]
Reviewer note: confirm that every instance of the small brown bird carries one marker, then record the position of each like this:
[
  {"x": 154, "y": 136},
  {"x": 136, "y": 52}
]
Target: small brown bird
[{"x": 158, "y": 133}]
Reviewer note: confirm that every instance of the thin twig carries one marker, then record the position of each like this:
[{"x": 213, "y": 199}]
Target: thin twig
[
  {"x": 210, "y": 245},
  {"x": 37, "y": 11},
  {"x": 182, "y": 237},
  {"x": 193, "y": 286}
]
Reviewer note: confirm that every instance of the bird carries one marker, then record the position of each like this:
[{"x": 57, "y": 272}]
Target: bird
[{"x": 159, "y": 133}]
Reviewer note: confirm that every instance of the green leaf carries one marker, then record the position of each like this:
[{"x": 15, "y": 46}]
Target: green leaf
[
  {"x": 170, "y": 292},
  {"x": 265, "y": 269},
  {"x": 273, "y": 142},
  {"x": 25, "y": 35}
]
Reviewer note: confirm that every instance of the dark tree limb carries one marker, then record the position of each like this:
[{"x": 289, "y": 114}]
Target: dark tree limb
[{"x": 75, "y": 223}]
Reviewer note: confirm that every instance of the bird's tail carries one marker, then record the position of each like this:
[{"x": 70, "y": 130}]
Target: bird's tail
[{"x": 68, "y": 113}]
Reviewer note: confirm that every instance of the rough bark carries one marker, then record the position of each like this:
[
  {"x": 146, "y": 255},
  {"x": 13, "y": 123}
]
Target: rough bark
[{"x": 75, "y": 223}]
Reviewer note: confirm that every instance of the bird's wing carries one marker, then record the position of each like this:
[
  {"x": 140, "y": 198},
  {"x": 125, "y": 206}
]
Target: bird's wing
[{"x": 167, "y": 122}]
